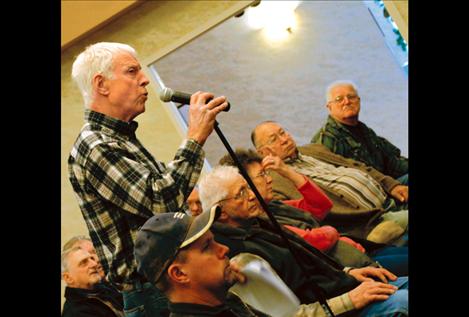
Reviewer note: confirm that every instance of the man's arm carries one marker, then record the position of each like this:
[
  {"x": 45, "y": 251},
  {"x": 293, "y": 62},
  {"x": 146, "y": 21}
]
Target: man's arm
[
  {"x": 119, "y": 178},
  {"x": 313, "y": 201},
  {"x": 324, "y": 154},
  {"x": 396, "y": 164},
  {"x": 339, "y": 305}
]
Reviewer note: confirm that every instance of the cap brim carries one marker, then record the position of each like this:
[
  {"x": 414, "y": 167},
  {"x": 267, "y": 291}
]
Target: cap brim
[{"x": 201, "y": 224}]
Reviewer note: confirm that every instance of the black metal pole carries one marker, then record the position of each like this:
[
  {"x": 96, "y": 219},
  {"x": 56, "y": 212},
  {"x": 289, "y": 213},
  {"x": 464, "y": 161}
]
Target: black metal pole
[{"x": 316, "y": 289}]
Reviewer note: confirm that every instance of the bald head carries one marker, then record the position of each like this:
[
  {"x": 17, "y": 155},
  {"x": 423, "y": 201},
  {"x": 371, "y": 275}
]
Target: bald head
[{"x": 270, "y": 138}]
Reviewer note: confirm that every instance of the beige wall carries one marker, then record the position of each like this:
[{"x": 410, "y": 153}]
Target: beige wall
[
  {"x": 153, "y": 29},
  {"x": 78, "y": 18}
]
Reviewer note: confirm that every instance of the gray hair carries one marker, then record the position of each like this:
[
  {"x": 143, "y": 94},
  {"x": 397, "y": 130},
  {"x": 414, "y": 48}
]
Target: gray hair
[
  {"x": 341, "y": 82},
  {"x": 212, "y": 186},
  {"x": 64, "y": 258},
  {"x": 72, "y": 241},
  {"x": 96, "y": 59}
]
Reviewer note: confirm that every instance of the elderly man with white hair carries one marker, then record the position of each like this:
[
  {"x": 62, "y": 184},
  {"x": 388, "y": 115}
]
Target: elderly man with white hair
[
  {"x": 118, "y": 183},
  {"x": 345, "y": 135}
]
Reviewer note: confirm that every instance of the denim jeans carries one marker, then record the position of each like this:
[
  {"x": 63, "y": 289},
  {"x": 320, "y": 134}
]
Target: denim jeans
[
  {"x": 393, "y": 258},
  {"x": 145, "y": 300},
  {"x": 396, "y": 305}
]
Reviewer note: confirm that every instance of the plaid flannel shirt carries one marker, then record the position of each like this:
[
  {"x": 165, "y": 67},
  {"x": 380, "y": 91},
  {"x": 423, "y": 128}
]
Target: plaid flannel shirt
[
  {"x": 119, "y": 185},
  {"x": 373, "y": 150}
]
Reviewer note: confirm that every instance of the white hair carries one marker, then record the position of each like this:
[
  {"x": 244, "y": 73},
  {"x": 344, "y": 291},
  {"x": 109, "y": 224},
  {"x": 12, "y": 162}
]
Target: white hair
[
  {"x": 96, "y": 59},
  {"x": 64, "y": 258},
  {"x": 341, "y": 82},
  {"x": 75, "y": 239},
  {"x": 213, "y": 185}
]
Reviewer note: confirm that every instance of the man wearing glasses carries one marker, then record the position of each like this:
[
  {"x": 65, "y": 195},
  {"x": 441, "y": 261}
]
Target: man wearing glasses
[
  {"x": 345, "y": 135},
  {"x": 362, "y": 196},
  {"x": 302, "y": 216}
]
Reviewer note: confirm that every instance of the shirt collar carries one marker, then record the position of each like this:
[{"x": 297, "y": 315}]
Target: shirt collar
[
  {"x": 338, "y": 125},
  {"x": 119, "y": 126}
]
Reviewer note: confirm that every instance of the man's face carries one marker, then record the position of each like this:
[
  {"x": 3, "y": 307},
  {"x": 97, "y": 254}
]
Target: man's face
[
  {"x": 273, "y": 139},
  {"x": 240, "y": 202},
  {"x": 261, "y": 180},
  {"x": 82, "y": 270},
  {"x": 194, "y": 203},
  {"x": 127, "y": 92},
  {"x": 344, "y": 104},
  {"x": 207, "y": 265},
  {"x": 88, "y": 247}
]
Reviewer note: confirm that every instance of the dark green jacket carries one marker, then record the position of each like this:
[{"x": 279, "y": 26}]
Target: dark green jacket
[
  {"x": 376, "y": 152},
  {"x": 102, "y": 301},
  {"x": 258, "y": 239},
  {"x": 233, "y": 307}
]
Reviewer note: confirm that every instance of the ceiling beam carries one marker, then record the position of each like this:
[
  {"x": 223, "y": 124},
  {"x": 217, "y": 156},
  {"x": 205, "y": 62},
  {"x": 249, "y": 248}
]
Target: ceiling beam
[{"x": 80, "y": 18}]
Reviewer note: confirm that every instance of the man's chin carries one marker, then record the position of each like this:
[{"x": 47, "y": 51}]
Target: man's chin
[
  {"x": 96, "y": 278},
  {"x": 230, "y": 277},
  {"x": 290, "y": 152}
]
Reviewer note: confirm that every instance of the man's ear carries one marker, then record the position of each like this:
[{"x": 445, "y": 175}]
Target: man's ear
[
  {"x": 68, "y": 279},
  {"x": 223, "y": 216},
  {"x": 176, "y": 273},
  {"x": 100, "y": 84}
]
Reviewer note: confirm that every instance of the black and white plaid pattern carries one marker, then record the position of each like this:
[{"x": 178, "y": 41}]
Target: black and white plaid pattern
[{"x": 119, "y": 185}]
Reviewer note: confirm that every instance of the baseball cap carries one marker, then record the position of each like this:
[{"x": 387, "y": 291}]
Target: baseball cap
[{"x": 163, "y": 235}]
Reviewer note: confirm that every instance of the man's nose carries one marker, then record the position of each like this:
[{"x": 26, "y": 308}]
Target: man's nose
[
  {"x": 145, "y": 81},
  {"x": 223, "y": 250},
  {"x": 251, "y": 195}
]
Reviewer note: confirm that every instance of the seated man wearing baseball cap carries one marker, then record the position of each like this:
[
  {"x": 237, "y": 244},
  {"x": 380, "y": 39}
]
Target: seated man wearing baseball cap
[{"x": 178, "y": 253}]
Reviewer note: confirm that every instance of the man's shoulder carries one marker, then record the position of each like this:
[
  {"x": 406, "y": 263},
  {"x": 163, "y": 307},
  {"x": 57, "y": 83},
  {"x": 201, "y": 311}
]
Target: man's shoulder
[
  {"x": 312, "y": 149},
  {"x": 327, "y": 130},
  {"x": 81, "y": 302},
  {"x": 86, "y": 307},
  {"x": 88, "y": 139}
]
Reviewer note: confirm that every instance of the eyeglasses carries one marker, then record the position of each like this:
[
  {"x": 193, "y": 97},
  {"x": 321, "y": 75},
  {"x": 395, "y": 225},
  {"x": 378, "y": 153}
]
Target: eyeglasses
[
  {"x": 275, "y": 137},
  {"x": 341, "y": 99},
  {"x": 243, "y": 194},
  {"x": 263, "y": 174}
]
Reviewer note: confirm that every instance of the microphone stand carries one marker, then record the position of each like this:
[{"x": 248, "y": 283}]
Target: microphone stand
[{"x": 316, "y": 289}]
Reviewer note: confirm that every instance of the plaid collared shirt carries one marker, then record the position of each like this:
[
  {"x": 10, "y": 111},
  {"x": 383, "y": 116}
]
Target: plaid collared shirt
[{"x": 119, "y": 185}]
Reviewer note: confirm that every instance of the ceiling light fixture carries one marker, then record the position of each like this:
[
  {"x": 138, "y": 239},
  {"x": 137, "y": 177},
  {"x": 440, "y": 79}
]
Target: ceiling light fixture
[{"x": 276, "y": 18}]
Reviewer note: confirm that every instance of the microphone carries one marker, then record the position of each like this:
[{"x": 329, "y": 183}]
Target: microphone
[{"x": 167, "y": 94}]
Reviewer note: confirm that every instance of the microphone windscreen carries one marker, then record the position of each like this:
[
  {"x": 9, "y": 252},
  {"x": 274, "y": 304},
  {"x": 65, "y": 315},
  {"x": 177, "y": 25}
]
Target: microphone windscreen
[{"x": 166, "y": 94}]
